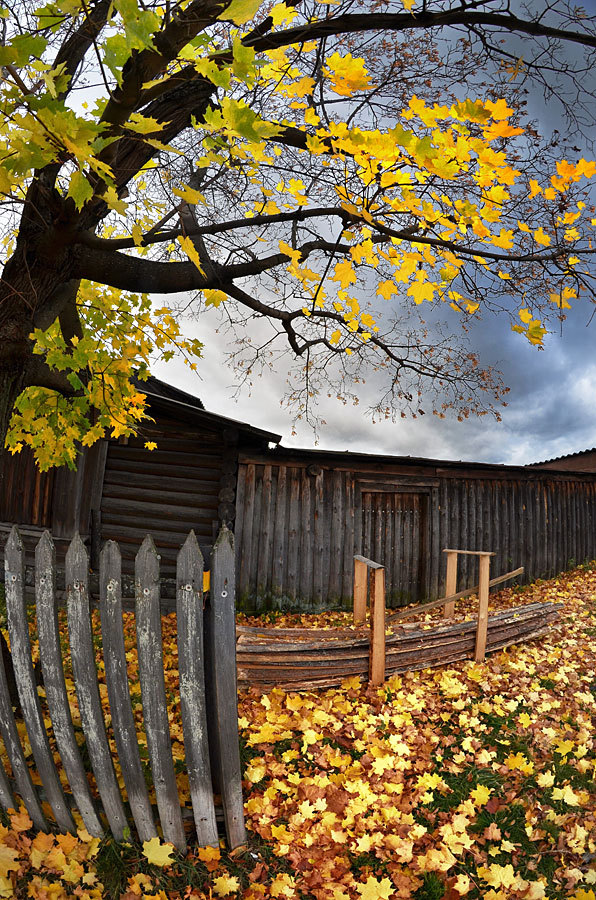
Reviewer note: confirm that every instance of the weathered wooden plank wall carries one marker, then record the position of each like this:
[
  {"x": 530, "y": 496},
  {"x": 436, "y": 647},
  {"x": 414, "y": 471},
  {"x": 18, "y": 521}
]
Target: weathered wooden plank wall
[{"x": 299, "y": 524}]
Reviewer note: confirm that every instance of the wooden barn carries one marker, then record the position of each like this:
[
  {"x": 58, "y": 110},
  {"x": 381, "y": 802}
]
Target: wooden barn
[
  {"x": 121, "y": 491},
  {"x": 303, "y": 514},
  {"x": 299, "y": 516}
]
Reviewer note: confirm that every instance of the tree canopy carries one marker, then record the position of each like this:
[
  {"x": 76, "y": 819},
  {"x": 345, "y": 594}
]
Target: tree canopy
[{"x": 321, "y": 166}]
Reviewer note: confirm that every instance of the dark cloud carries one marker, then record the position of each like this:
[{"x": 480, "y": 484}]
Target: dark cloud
[{"x": 551, "y": 409}]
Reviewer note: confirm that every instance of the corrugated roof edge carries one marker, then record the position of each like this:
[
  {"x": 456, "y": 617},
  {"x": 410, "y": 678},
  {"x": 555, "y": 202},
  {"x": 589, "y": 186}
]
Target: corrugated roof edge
[{"x": 544, "y": 462}]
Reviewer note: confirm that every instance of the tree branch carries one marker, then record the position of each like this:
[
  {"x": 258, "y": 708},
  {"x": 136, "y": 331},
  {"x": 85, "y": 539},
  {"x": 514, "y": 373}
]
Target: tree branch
[
  {"x": 73, "y": 50},
  {"x": 92, "y": 240},
  {"x": 352, "y": 23}
]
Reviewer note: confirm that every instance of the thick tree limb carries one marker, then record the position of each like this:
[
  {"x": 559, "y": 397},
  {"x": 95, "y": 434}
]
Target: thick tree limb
[
  {"x": 73, "y": 50},
  {"x": 352, "y": 23}
]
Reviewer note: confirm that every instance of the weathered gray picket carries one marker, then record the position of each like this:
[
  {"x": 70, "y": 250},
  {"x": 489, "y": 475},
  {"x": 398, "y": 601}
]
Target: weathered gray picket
[
  {"x": 222, "y": 636},
  {"x": 217, "y": 737},
  {"x": 153, "y": 690},
  {"x": 54, "y": 683},
  {"x": 189, "y": 578},
  {"x": 18, "y": 630},
  {"x": 125, "y": 734}
]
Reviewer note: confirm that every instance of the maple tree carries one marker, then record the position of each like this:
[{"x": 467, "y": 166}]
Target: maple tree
[{"x": 257, "y": 156}]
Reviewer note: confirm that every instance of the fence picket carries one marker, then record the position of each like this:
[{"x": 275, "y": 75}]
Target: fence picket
[
  {"x": 189, "y": 576},
  {"x": 85, "y": 675},
  {"x": 54, "y": 684},
  {"x": 110, "y": 607},
  {"x": 155, "y": 711},
  {"x": 16, "y": 757},
  {"x": 222, "y": 634},
  {"x": 20, "y": 645}
]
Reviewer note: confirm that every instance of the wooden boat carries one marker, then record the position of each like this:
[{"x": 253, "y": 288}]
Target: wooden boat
[{"x": 294, "y": 658}]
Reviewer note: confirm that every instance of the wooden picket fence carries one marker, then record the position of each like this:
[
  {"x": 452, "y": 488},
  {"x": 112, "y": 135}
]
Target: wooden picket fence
[{"x": 208, "y": 693}]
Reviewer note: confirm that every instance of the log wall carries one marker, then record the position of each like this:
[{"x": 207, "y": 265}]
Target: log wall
[{"x": 299, "y": 525}]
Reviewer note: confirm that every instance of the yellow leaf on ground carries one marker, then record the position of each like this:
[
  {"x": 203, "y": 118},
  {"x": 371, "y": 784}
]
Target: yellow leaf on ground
[{"x": 158, "y": 854}]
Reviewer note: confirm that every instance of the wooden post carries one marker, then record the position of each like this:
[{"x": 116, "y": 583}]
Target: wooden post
[
  {"x": 123, "y": 723},
  {"x": 189, "y": 600},
  {"x": 376, "y": 671},
  {"x": 153, "y": 692},
  {"x": 224, "y": 724},
  {"x": 450, "y": 583},
  {"x": 483, "y": 584},
  {"x": 84, "y": 669},
  {"x": 20, "y": 648},
  {"x": 360, "y": 575}
]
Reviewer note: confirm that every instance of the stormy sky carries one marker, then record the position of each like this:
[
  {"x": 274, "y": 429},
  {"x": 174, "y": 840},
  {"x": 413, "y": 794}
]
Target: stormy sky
[{"x": 551, "y": 407}]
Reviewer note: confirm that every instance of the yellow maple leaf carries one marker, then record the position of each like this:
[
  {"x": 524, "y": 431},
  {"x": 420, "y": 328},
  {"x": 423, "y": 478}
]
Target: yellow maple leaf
[
  {"x": 158, "y": 854},
  {"x": 192, "y": 252},
  {"x": 373, "y": 889},
  {"x": 480, "y": 794},
  {"x": 422, "y": 289},
  {"x": 208, "y": 854},
  {"x": 225, "y": 885},
  {"x": 518, "y": 762},
  {"x": 283, "y": 885},
  {"x": 255, "y": 772},
  {"x": 567, "y": 795},
  {"x": 541, "y": 237},
  {"x": 347, "y": 74},
  {"x": 190, "y": 195},
  {"x": 344, "y": 273},
  {"x": 462, "y": 884},
  {"x": 240, "y": 11},
  {"x": 387, "y": 289},
  {"x": 498, "y": 876},
  {"x": 20, "y": 821},
  {"x": 545, "y": 779},
  {"x": 8, "y": 860}
]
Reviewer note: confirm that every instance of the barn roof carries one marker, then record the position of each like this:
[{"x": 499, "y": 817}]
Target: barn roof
[
  {"x": 431, "y": 466},
  {"x": 554, "y": 459},
  {"x": 188, "y": 408}
]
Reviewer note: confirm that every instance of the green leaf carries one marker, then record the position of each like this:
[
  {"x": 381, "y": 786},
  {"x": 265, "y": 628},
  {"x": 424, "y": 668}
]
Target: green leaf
[
  {"x": 116, "y": 53},
  {"x": 217, "y": 74},
  {"x": 243, "y": 65},
  {"x": 235, "y": 116},
  {"x": 26, "y": 46},
  {"x": 79, "y": 189},
  {"x": 139, "y": 24},
  {"x": 240, "y": 11}
]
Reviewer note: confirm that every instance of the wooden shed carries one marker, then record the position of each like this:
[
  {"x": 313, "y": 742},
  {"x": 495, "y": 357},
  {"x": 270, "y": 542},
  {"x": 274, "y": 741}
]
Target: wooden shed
[
  {"x": 303, "y": 514},
  {"x": 121, "y": 491}
]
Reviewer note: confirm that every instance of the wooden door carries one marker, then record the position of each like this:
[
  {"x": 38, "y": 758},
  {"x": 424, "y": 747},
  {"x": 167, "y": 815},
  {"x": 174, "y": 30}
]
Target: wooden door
[{"x": 394, "y": 533}]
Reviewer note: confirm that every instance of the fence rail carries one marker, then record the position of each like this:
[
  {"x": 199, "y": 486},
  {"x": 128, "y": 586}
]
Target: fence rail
[{"x": 208, "y": 694}]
